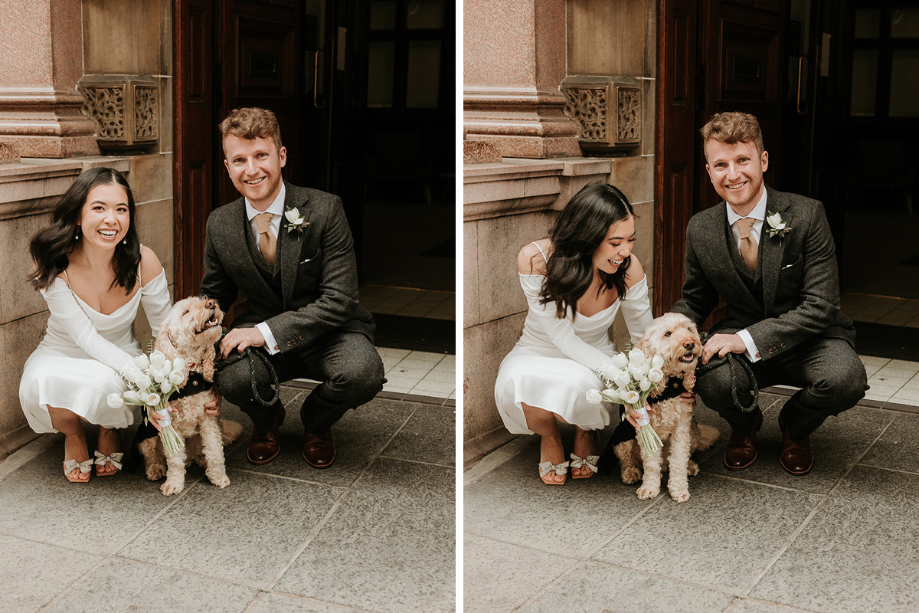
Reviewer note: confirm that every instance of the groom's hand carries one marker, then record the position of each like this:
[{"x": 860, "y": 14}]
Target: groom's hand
[
  {"x": 721, "y": 345},
  {"x": 239, "y": 339}
]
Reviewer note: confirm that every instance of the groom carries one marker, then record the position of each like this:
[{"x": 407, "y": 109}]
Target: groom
[
  {"x": 290, "y": 251},
  {"x": 771, "y": 257}
]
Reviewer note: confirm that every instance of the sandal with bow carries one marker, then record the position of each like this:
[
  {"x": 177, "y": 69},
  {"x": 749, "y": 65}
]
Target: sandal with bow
[
  {"x": 579, "y": 462},
  {"x": 102, "y": 460},
  {"x": 72, "y": 465},
  {"x": 560, "y": 469}
]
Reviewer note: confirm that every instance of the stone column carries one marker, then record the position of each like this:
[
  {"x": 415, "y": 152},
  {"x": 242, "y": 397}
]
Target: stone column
[
  {"x": 514, "y": 61},
  {"x": 41, "y": 60}
]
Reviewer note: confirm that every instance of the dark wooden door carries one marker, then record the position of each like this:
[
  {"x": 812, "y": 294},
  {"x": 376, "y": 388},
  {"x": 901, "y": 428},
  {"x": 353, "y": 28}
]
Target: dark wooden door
[
  {"x": 194, "y": 162},
  {"x": 259, "y": 63},
  {"x": 676, "y": 146},
  {"x": 742, "y": 68},
  {"x": 713, "y": 56}
]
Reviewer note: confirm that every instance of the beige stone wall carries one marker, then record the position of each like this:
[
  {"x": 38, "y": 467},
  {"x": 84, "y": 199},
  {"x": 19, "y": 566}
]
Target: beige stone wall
[
  {"x": 126, "y": 37},
  {"x": 119, "y": 37}
]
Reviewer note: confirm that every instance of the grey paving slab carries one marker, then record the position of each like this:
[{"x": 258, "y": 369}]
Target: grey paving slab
[
  {"x": 858, "y": 554},
  {"x": 498, "y": 577},
  {"x": 34, "y": 573},
  {"x": 271, "y": 602},
  {"x": 593, "y": 587},
  {"x": 245, "y": 532},
  {"x": 123, "y": 585},
  {"x": 898, "y": 447},
  {"x": 511, "y": 504},
  {"x": 746, "y": 605},
  {"x": 40, "y": 504},
  {"x": 359, "y": 436},
  {"x": 723, "y": 537},
  {"x": 390, "y": 546},
  {"x": 429, "y": 436},
  {"x": 837, "y": 445}
]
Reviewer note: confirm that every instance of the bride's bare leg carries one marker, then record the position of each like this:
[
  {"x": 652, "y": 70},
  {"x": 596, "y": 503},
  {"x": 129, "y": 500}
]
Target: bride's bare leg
[
  {"x": 109, "y": 442},
  {"x": 68, "y": 422},
  {"x": 544, "y": 423},
  {"x": 586, "y": 442}
]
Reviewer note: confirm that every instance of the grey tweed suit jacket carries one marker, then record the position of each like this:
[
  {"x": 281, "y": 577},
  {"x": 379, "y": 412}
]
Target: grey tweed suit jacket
[
  {"x": 317, "y": 268},
  {"x": 800, "y": 279}
]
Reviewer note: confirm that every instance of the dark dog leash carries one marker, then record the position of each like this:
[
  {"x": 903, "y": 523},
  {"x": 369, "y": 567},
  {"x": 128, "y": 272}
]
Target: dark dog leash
[
  {"x": 251, "y": 354},
  {"x": 734, "y": 361}
]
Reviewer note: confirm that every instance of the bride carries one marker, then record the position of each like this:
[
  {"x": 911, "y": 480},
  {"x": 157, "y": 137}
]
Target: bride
[
  {"x": 575, "y": 282},
  {"x": 94, "y": 274}
]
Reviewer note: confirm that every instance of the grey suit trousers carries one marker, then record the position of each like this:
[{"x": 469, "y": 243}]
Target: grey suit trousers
[
  {"x": 346, "y": 363},
  {"x": 829, "y": 372}
]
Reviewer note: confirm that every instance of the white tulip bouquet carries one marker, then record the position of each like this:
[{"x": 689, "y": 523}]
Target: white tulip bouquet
[
  {"x": 151, "y": 381},
  {"x": 629, "y": 381}
]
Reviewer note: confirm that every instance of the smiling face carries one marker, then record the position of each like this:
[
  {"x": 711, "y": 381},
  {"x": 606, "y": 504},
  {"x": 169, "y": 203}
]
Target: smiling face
[
  {"x": 736, "y": 171},
  {"x": 105, "y": 217},
  {"x": 254, "y": 165},
  {"x": 616, "y": 246}
]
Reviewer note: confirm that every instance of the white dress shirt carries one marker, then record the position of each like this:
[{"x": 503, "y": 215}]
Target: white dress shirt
[
  {"x": 758, "y": 214},
  {"x": 277, "y": 210}
]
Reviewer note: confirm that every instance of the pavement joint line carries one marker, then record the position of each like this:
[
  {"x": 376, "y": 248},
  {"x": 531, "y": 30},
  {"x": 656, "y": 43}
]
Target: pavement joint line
[
  {"x": 386, "y": 457},
  {"x": 820, "y": 504},
  {"x": 656, "y": 502},
  {"x": 563, "y": 575},
  {"x": 335, "y": 505},
  {"x": 710, "y": 588},
  {"x": 912, "y": 473},
  {"x": 522, "y": 546},
  {"x": 778, "y": 605},
  {"x": 67, "y": 589},
  {"x": 186, "y": 571},
  {"x": 497, "y": 458},
  {"x": 162, "y": 512},
  {"x": 287, "y": 478},
  {"x": 772, "y": 485}
]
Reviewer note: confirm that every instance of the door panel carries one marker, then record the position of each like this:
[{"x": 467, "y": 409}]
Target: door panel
[
  {"x": 676, "y": 147},
  {"x": 194, "y": 141}
]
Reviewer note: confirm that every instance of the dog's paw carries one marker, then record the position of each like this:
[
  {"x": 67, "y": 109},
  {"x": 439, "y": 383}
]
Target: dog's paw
[
  {"x": 155, "y": 472},
  {"x": 646, "y": 492},
  {"x": 692, "y": 469},
  {"x": 631, "y": 475},
  {"x": 170, "y": 488},
  {"x": 220, "y": 482},
  {"x": 680, "y": 496}
]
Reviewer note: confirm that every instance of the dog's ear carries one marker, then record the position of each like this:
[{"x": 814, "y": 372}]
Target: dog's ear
[{"x": 164, "y": 340}]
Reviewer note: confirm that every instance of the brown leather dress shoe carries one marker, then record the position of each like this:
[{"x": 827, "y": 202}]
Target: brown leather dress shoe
[
  {"x": 796, "y": 457},
  {"x": 319, "y": 449},
  {"x": 263, "y": 448},
  {"x": 741, "y": 448}
]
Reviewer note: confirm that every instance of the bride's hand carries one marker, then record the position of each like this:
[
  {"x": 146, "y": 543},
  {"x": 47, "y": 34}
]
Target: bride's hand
[
  {"x": 633, "y": 416},
  {"x": 155, "y": 418}
]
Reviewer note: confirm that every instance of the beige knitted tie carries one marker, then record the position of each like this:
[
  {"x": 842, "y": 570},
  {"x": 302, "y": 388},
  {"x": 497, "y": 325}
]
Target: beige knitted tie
[
  {"x": 748, "y": 246},
  {"x": 267, "y": 243}
]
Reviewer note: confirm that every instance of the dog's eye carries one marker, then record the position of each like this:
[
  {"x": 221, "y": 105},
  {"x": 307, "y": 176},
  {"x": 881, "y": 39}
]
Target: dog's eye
[
  {"x": 185, "y": 313},
  {"x": 668, "y": 333}
]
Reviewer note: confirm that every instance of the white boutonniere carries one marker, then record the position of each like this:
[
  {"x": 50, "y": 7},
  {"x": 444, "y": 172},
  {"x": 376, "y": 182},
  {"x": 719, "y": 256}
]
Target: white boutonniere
[
  {"x": 295, "y": 221},
  {"x": 777, "y": 226}
]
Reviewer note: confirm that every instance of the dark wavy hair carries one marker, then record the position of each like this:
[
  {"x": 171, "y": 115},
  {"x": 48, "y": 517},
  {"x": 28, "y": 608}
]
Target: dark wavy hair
[
  {"x": 578, "y": 231},
  {"x": 51, "y": 245}
]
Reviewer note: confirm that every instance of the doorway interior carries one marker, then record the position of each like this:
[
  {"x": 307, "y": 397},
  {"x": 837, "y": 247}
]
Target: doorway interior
[{"x": 364, "y": 93}]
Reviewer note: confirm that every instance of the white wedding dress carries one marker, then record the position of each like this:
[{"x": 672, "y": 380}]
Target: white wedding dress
[
  {"x": 552, "y": 365},
  {"x": 75, "y": 365}
]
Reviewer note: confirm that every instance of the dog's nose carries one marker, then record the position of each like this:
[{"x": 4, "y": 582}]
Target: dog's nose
[
  {"x": 210, "y": 303},
  {"x": 689, "y": 345}
]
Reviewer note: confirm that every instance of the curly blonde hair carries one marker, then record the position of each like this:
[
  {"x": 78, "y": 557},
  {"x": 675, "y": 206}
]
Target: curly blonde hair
[
  {"x": 251, "y": 122},
  {"x": 733, "y": 128}
]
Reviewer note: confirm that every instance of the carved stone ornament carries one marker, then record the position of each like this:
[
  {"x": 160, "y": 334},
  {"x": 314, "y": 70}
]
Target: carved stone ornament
[
  {"x": 124, "y": 109},
  {"x": 607, "y": 111}
]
